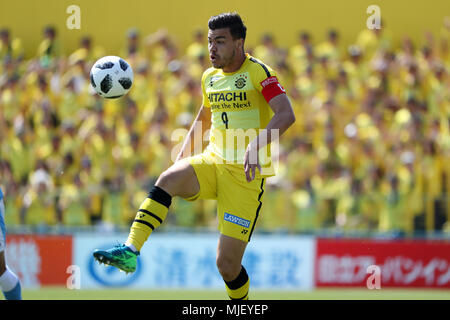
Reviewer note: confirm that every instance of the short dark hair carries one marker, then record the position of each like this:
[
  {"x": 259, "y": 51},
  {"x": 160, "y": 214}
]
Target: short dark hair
[
  {"x": 230, "y": 20},
  {"x": 51, "y": 30},
  {"x": 4, "y": 32}
]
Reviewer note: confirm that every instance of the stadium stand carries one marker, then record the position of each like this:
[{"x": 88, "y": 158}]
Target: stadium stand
[{"x": 369, "y": 152}]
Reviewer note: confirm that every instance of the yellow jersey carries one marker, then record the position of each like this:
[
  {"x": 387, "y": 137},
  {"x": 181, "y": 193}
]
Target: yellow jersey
[{"x": 239, "y": 103}]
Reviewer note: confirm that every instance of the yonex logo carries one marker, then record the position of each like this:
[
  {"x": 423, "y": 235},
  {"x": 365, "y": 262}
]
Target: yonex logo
[{"x": 236, "y": 220}]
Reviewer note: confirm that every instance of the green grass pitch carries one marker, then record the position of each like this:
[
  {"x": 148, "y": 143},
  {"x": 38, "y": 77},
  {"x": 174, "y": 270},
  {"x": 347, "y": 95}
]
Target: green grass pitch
[{"x": 62, "y": 293}]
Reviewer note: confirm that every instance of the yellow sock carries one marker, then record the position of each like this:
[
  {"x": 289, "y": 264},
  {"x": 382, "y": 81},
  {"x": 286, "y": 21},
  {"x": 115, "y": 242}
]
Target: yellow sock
[
  {"x": 151, "y": 214},
  {"x": 237, "y": 289}
]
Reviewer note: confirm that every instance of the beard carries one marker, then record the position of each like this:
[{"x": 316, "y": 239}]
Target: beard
[
  {"x": 217, "y": 64},
  {"x": 220, "y": 62}
]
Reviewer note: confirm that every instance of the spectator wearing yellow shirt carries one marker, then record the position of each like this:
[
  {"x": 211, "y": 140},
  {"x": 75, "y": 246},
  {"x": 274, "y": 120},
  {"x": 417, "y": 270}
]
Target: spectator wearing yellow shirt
[
  {"x": 55, "y": 158},
  {"x": 13, "y": 194},
  {"x": 427, "y": 60},
  {"x": 405, "y": 54},
  {"x": 367, "y": 200},
  {"x": 70, "y": 142},
  {"x": 11, "y": 97},
  {"x": 297, "y": 55},
  {"x": 91, "y": 180},
  {"x": 307, "y": 84},
  {"x": 131, "y": 153},
  {"x": 395, "y": 216},
  {"x": 137, "y": 181},
  {"x": 77, "y": 71},
  {"x": 198, "y": 47},
  {"x": 39, "y": 201},
  {"x": 10, "y": 48},
  {"x": 305, "y": 206},
  {"x": 156, "y": 142},
  {"x": 187, "y": 99},
  {"x": 444, "y": 41},
  {"x": 357, "y": 71},
  {"x": 73, "y": 203},
  {"x": 329, "y": 185},
  {"x": 114, "y": 201},
  {"x": 433, "y": 169},
  {"x": 372, "y": 40},
  {"x": 196, "y": 67},
  {"x": 40, "y": 99},
  {"x": 330, "y": 49},
  {"x": 278, "y": 213},
  {"x": 160, "y": 50},
  {"x": 197, "y": 55},
  {"x": 99, "y": 147},
  {"x": 71, "y": 101},
  {"x": 49, "y": 50},
  {"x": 9, "y": 70},
  {"x": 326, "y": 69},
  {"x": 267, "y": 50},
  {"x": 18, "y": 152},
  {"x": 175, "y": 83},
  {"x": 437, "y": 93},
  {"x": 86, "y": 51},
  {"x": 143, "y": 93},
  {"x": 133, "y": 50}
]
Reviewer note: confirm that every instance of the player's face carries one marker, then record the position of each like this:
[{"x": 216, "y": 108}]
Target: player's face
[{"x": 222, "y": 47}]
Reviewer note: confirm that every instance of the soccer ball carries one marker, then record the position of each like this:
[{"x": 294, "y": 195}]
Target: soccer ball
[{"x": 111, "y": 77}]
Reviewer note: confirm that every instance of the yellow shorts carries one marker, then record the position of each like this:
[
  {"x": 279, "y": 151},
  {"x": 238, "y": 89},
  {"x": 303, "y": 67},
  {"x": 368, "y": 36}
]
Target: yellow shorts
[{"x": 238, "y": 201}]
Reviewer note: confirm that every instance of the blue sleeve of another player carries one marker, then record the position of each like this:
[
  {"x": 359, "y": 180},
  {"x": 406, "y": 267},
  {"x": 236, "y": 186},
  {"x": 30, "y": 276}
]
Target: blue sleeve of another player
[{"x": 2, "y": 223}]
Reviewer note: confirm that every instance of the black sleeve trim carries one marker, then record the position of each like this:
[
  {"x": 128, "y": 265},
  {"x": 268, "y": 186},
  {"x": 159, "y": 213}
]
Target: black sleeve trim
[{"x": 262, "y": 65}]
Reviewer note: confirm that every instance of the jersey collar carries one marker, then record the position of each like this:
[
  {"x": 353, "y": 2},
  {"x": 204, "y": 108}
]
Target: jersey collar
[{"x": 244, "y": 64}]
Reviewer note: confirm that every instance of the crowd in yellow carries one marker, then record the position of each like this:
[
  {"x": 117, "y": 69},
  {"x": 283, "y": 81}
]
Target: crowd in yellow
[{"x": 370, "y": 150}]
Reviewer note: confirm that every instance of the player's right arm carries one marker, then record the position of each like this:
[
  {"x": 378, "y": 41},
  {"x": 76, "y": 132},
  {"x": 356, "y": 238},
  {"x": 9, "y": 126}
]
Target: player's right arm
[
  {"x": 191, "y": 144},
  {"x": 201, "y": 123}
]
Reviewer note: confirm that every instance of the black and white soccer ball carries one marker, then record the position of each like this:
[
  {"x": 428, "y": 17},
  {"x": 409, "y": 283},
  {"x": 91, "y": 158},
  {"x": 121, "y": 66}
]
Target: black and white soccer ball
[{"x": 111, "y": 77}]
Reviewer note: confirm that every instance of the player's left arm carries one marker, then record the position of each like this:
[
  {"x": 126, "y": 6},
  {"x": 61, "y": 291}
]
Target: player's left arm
[{"x": 282, "y": 119}]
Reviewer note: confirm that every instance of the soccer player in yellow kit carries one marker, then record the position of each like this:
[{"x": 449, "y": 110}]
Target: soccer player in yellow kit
[{"x": 245, "y": 108}]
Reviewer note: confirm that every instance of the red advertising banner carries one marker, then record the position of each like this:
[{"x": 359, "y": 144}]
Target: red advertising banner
[
  {"x": 39, "y": 260},
  {"x": 401, "y": 263}
]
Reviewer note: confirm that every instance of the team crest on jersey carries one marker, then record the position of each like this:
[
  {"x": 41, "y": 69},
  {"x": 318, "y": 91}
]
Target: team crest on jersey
[{"x": 240, "y": 81}]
